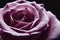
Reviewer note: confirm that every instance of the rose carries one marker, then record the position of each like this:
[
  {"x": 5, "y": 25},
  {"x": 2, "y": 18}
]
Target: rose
[{"x": 24, "y": 20}]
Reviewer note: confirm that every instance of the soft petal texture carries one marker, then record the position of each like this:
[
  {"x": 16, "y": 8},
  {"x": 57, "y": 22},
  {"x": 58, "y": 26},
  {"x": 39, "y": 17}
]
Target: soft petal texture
[
  {"x": 54, "y": 26},
  {"x": 24, "y": 20}
]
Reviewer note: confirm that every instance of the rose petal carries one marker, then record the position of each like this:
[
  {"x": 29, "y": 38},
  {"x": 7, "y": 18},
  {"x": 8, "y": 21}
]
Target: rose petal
[
  {"x": 43, "y": 20},
  {"x": 21, "y": 24},
  {"x": 54, "y": 24}
]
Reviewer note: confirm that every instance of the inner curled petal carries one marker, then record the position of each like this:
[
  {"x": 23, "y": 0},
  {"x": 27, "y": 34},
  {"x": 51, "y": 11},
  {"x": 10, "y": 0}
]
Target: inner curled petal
[{"x": 25, "y": 15}]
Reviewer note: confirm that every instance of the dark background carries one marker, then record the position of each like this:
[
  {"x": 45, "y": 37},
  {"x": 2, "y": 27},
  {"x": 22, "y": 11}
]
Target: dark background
[{"x": 52, "y": 5}]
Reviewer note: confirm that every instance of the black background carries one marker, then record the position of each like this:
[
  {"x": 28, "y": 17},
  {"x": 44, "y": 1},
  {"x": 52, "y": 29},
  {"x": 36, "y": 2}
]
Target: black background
[{"x": 51, "y": 5}]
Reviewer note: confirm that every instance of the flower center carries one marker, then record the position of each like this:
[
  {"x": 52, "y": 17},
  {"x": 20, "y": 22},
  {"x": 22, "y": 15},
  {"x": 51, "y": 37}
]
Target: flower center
[
  {"x": 23, "y": 15},
  {"x": 18, "y": 16}
]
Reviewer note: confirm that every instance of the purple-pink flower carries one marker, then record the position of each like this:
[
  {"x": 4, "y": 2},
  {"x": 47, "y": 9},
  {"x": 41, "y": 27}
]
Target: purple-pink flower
[{"x": 24, "y": 20}]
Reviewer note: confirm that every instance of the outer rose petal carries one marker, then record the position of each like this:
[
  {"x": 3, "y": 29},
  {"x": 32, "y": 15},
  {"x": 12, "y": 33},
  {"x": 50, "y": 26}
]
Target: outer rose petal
[
  {"x": 0, "y": 28},
  {"x": 54, "y": 25}
]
